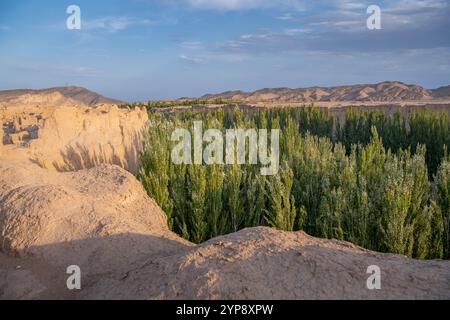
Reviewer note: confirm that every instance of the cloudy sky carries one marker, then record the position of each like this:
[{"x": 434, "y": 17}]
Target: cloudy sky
[{"x": 155, "y": 49}]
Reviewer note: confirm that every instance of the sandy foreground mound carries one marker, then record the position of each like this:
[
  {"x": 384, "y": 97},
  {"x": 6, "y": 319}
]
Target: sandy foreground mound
[
  {"x": 99, "y": 219},
  {"x": 262, "y": 263},
  {"x": 83, "y": 208}
]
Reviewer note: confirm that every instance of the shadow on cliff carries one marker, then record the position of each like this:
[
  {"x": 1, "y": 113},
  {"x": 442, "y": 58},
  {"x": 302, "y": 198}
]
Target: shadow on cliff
[{"x": 78, "y": 156}]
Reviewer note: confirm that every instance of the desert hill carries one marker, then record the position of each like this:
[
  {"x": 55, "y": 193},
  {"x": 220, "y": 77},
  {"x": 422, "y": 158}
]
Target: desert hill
[
  {"x": 442, "y": 92},
  {"x": 381, "y": 93},
  {"x": 391, "y": 91},
  {"x": 60, "y": 96}
]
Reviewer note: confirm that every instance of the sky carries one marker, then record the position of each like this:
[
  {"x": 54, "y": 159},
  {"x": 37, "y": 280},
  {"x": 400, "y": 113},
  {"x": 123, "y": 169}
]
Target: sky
[{"x": 137, "y": 50}]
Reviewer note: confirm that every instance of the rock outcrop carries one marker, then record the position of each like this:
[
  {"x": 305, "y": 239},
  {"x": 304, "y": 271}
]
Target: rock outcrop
[
  {"x": 79, "y": 217},
  {"x": 75, "y": 137}
]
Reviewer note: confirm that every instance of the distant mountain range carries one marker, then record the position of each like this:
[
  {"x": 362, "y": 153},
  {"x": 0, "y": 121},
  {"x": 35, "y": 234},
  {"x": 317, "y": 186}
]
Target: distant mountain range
[
  {"x": 382, "y": 92},
  {"x": 54, "y": 97}
]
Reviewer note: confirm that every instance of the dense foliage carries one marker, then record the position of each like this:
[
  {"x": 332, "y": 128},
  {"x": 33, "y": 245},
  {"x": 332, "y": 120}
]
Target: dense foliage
[
  {"x": 177, "y": 103},
  {"x": 366, "y": 181},
  {"x": 421, "y": 127}
]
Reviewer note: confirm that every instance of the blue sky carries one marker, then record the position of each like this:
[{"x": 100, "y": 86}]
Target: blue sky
[{"x": 156, "y": 49}]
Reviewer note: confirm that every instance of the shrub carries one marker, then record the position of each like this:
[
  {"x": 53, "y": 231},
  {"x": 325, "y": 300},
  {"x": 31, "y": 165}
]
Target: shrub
[{"x": 373, "y": 189}]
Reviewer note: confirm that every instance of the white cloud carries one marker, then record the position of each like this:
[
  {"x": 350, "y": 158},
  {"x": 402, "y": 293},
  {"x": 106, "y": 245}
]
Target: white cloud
[
  {"x": 114, "y": 24},
  {"x": 260, "y": 36},
  {"x": 232, "y": 44},
  {"x": 192, "y": 59},
  {"x": 192, "y": 45},
  {"x": 286, "y": 17},
  {"x": 231, "y": 5},
  {"x": 291, "y": 32},
  {"x": 215, "y": 57},
  {"x": 414, "y": 5},
  {"x": 417, "y": 14}
]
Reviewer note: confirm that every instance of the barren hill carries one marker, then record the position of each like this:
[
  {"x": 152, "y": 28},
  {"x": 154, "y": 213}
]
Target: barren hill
[
  {"x": 60, "y": 96},
  {"x": 391, "y": 91},
  {"x": 442, "y": 92}
]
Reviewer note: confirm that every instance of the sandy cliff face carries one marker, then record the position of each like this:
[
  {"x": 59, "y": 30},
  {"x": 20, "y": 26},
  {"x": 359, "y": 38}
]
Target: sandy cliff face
[
  {"x": 67, "y": 198},
  {"x": 46, "y": 197},
  {"x": 74, "y": 138}
]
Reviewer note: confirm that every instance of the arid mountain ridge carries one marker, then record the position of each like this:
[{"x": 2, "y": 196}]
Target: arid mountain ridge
[
  {"x": 384, "y": 92},
  {"x": 389, "y": 91},
  {"x": 59, "y": 96}
]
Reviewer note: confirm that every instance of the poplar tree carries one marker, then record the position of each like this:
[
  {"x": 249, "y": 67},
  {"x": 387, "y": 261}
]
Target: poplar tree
[
  {"x": 196, "y": 204},
  {"x": 379, "y": 181},
  {"x": 442, "y": 198},
  {"x": 281, "y": 213},
  {"x": 214, "y": 206},
  {"x": 233, "y": 197}
]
